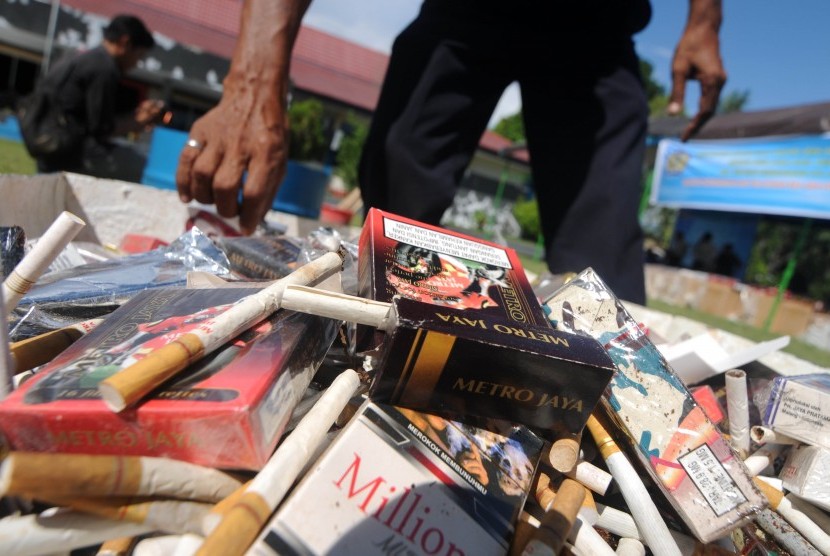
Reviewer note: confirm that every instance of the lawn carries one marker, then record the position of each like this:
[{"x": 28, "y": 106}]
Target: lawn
[{"x": 14, "y": 159}]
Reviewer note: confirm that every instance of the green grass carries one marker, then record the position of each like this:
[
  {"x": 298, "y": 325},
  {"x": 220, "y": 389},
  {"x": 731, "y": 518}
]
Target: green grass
[{"x": 14, "y": 159}]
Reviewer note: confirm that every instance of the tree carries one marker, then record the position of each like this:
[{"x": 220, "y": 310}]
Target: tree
[
  {"x": 733, "y": 102},
  {"x": 351, "y": 146},
  {"x": 512, "y": 128},
  {"x": 306, "y": 139}
]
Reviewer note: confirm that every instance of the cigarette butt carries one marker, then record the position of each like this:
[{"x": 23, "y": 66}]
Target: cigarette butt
[
  {"x": 737, "y": 408},
  {"x": 38, "y": 350},
  {"x": 117, "y": 547},
  {"x": 564, "y": 453},
  {"x": 630, "y": 547},
  {"x": 762, "y": 458},
  {"x": 65, "y": 227},
  {"x": 131, "y": 384},
  {"x": 591, "y": 476},
  {"x": 75, "y": 475},
  {"x": 523, "y": 533},
  {"x": 240, "y": 525},
  {"x": 546, "y": 493},
  {"x": 558, "y": 520},
  {"x": 764, "y": 435}
]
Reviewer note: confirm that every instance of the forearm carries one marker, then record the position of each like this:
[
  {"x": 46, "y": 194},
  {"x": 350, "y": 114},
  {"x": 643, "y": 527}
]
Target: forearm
[
  {"x": 705, "y": 14},
  {"x": 262, "y": 55}
]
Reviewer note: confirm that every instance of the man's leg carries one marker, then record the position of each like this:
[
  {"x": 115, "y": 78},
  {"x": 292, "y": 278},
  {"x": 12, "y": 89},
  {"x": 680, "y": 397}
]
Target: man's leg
[
  {"x": 586, "y": 137},
  {"x": 441, "y": 87}
]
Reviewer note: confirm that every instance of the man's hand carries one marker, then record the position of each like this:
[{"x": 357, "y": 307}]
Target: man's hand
[
  {"x": 245, "y": 132},
  {"x": 697, "y": 57},
  {"x": 149, "y": 112}
]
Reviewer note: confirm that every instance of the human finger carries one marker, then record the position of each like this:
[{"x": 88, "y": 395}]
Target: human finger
[
  {"x": 204, "y": 168},
  {"x": 710, "y": 89},
  {"x": 190, "y": 152},
  {"x": 226, "y": 185},
  {"x": 679, "y": 74},
  {"x": 264, "y": 177}
]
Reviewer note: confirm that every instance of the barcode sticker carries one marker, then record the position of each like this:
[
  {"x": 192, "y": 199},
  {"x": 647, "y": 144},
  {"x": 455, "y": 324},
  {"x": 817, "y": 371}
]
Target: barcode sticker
[{"x": 712, "y": 480}]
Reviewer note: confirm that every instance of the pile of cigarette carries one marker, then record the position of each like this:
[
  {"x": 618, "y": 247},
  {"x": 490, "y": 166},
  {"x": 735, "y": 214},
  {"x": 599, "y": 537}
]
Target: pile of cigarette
[{"x": 730, "y": 465}]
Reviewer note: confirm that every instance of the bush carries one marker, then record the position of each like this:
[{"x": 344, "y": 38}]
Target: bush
[
  {"x": 351, "y": 146},
  {"x": 527, "y": 215},
  {"x": 306, "y": 138}
]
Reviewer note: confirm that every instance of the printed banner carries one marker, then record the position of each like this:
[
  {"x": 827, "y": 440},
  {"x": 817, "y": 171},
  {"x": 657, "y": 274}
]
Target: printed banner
[{"x": 783, "y": 175}]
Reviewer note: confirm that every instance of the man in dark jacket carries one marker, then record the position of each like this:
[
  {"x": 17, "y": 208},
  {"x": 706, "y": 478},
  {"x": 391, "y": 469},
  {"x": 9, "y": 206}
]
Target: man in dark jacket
[{"x": 82, "y": 90}]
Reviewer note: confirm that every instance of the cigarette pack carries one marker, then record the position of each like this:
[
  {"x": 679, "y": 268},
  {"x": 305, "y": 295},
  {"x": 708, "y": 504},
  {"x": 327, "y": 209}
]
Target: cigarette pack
[
  {"x": 400, "y": 482},
  {"x": 681, "y": 449},
  {"x": 799, "y": 406},
  {"x": 261, "y": 257},
  {"x": 402, "y": 257},
  {"x": 806, "y": 473},
  {"x": 446, "y": 361},
  {"x": 227, "y": 410}
]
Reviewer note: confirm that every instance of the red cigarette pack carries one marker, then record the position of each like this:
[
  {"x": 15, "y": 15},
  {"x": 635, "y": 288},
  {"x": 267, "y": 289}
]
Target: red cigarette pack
[{"x": 227, "y": 410}]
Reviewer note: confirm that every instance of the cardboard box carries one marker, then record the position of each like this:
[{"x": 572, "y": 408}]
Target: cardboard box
[
  {"x": 441, "y": 360},
  {"x": 683, "y": 452},
  {"x": 806, "y": 473},
  {"x": 400, "y": 482},
  {"x": 799, "y": 406},
  {"x": 227, "y": 411}
]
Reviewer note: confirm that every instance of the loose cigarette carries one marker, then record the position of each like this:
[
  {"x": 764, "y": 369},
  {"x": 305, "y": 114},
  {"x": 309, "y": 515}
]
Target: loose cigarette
[
  {"x": 34, "y": 352},
  {"x": 74, "y": 475},
  {"x": 645, "y": 513},
  {"x": 171, "y": 516},
  {"x": 784, "y": 533},
  {"x": 623, "y": 525},
  {"x": 762, "y": 458},
  {"x": 525, "y": 527},
  {"x": 591, "y": 476},
  {"x": 630, "y": 547},
  {"x": 7, "y": 369},
  {"x": 765, "y": 435},
  {"x": 737, "y": 408},
  {"x": 134, "y": 382},
  {"x": 349, "y": 308},
  {"x": 47, "y": 248},
  {"x": 242, "y": 523},
  {"x": 586, "y": 539},
  {"x": 164, "y": 545},
  {"x": 774, "y": 482},
  {"x": 545, "y": 494},
  {"x": 214, "y": 516},
  {"x": 559, "y": 518},
  {"x": 564, "y": 453},
  {"x": 116, "y": 547},
  {"x": 819, "y": 516},
  {"x": 798, "y": 519},
  {"x": 55, "y": 529}
]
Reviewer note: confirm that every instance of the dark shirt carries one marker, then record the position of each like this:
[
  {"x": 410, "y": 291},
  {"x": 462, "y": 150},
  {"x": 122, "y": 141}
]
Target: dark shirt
[{"x": 87, "y": 85}]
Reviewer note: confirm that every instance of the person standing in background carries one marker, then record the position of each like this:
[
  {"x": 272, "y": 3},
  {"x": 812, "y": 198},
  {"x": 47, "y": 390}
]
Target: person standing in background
[
  {"x": 583, "y": 101},
  {"x": 80, "y": 92}
]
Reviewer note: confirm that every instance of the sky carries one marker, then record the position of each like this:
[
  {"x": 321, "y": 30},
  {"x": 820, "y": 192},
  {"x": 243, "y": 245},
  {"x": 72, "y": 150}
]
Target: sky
[{"x": 777, "y": 51}]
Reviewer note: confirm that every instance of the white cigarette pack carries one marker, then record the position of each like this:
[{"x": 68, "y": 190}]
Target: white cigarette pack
[
  {"x": 806, "y": 473},
  {"x": 400, "y": 482},
  {"x": 799, "y": 406}
]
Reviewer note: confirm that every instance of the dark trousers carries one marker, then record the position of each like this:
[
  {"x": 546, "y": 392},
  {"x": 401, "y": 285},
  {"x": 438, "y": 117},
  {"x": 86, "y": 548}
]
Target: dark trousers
[{"x": 585, "y": 116}]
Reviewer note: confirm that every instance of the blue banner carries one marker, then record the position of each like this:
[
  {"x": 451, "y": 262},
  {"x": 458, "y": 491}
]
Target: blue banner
[{"x": 779, "y": 175}]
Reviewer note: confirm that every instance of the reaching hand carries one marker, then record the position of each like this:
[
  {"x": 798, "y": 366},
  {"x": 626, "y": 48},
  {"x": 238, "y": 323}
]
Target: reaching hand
[
  {"x": 246, "y": 131},
  {"x": 149, "y": 112},
  {"x": 697, "y": 57}
]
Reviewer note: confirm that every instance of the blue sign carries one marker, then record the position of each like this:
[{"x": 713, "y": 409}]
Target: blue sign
[{"x": 780, "y": 175}]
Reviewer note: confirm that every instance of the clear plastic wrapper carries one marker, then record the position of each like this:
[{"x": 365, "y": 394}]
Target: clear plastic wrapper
[
  {"x": 96, "y": 289},
  {"x": 684, "y": 453},
  {"x": 12, "y": 248}
]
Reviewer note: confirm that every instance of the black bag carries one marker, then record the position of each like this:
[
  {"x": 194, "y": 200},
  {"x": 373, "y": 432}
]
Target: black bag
[{"x": 45, "y": 128}]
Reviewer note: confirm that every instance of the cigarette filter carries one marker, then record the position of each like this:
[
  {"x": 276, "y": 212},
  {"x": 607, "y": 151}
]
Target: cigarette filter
[
  {"x": 799, "y": 406},
  {"x": 764, "y": 435},
  {"x": 558, "y": 520},
  {"x": 798, "y": 519},
  {"x": 684, "y": 453},
  {"x": 737, "y": 407}
]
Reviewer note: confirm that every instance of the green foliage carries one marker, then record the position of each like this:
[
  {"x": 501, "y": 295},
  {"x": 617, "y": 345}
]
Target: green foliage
[
  {"x": 733, "y": 102},
  {"x": 654, "y": 88},
  {"x": 351, "y": 146},
  {"x": 14, "y": 159},
  {"x": 527, "y": 215},
  {"x": 512, "y": 128},
  {"x": 306, "y": 139}
]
